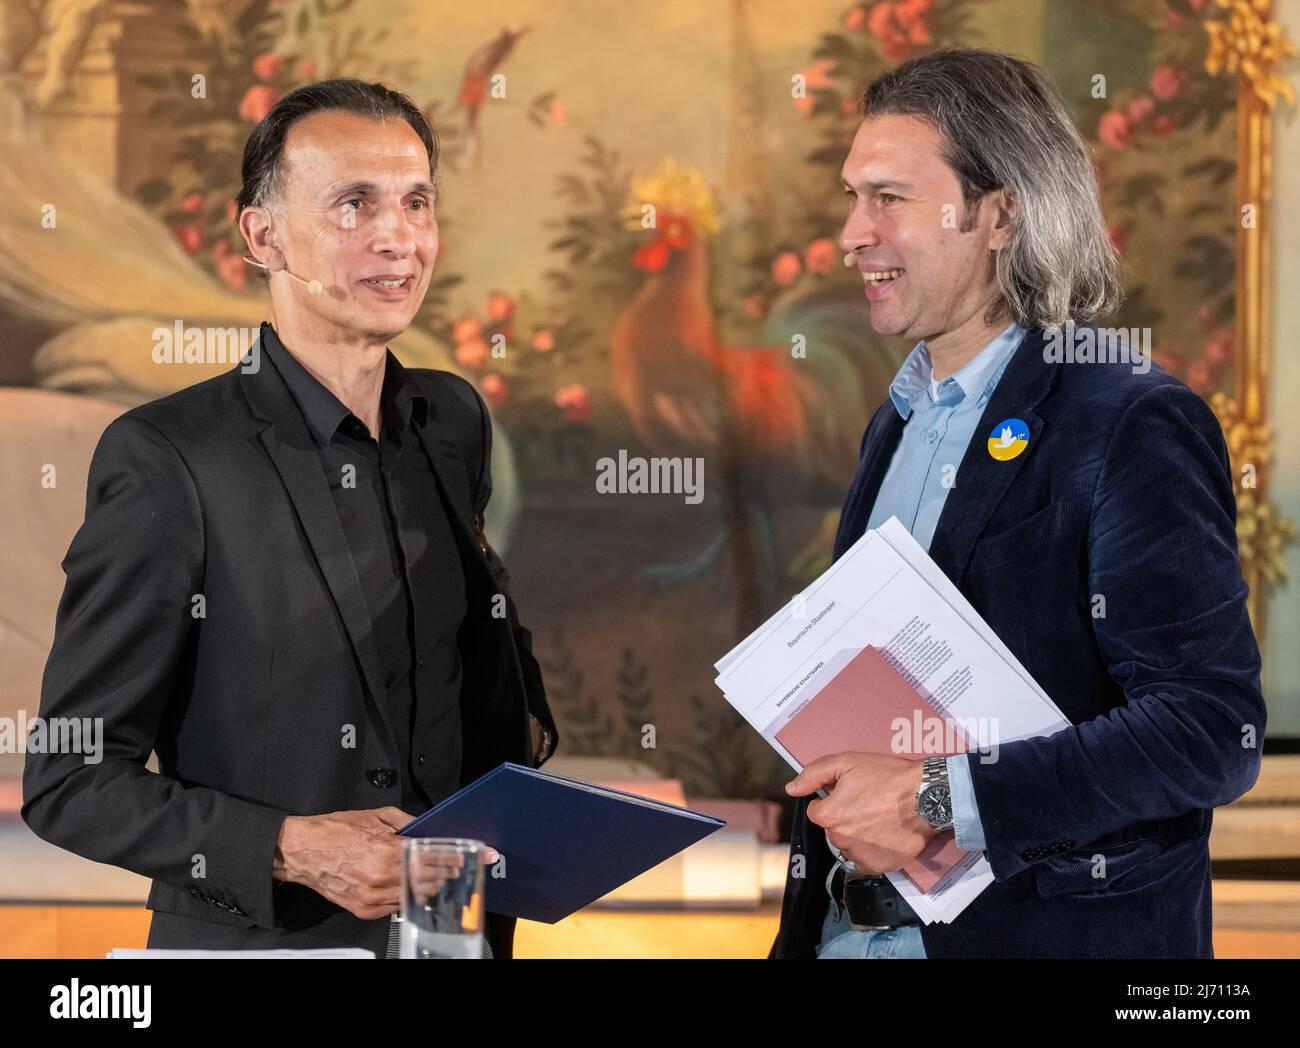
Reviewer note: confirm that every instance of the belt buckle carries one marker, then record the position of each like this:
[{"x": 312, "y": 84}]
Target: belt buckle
[{"x": 847, "y": 899}]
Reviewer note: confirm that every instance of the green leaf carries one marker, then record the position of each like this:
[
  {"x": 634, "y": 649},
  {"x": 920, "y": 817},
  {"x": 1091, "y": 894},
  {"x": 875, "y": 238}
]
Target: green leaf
[{"x": 152, "y": 192}]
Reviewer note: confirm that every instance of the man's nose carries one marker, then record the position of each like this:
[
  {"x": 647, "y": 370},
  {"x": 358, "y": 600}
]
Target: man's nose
[
  {"x": 393, "y": 232},
  {"x": 858, "y": 232}
]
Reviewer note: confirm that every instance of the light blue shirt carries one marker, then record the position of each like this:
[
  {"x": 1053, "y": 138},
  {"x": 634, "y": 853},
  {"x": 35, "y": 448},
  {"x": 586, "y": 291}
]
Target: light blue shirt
[{"x": 940, "y": 420}]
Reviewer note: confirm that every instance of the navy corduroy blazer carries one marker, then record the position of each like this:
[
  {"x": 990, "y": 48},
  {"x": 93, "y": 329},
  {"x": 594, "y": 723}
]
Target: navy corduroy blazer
[{"x": 1124, "y": 493}]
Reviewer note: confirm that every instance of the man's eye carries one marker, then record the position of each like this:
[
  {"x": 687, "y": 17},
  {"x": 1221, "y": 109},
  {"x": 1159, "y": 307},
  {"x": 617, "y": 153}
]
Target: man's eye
[
  {"x": 355, "y": 205},
  {"x": 423, "y": 204},
  {"x": 888, "y": 198}
]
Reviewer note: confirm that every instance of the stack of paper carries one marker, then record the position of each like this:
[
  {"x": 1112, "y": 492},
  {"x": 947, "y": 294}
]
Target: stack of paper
[{"x": 883, "y": 654}]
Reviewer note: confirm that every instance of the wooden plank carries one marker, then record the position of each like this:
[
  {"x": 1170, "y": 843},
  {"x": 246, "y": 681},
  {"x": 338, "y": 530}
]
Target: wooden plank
[{"x": 1252, "y": 919}]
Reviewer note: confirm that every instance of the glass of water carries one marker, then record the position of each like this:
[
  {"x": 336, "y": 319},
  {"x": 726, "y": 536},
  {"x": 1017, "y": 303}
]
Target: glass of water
[{"x": 442, "y": 898}]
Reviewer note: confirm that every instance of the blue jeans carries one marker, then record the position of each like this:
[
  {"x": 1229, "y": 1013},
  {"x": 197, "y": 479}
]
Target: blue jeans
[{"x": 840, "y": 941}]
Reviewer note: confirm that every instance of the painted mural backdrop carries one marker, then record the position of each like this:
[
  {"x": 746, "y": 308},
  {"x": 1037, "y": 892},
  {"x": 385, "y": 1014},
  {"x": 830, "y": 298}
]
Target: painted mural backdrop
[{"x": 559, "y": 125}]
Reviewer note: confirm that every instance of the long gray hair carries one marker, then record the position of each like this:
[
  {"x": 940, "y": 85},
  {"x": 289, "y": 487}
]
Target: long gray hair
[{"x": 1005, "y": 127}]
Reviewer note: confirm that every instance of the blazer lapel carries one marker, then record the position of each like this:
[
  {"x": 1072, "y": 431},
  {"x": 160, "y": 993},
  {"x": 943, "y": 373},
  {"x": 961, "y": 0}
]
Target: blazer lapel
[
  {"x": 448, "y": 466},
  {"x": 981, "y": 479},
  {"x": 293, "y": 451}
]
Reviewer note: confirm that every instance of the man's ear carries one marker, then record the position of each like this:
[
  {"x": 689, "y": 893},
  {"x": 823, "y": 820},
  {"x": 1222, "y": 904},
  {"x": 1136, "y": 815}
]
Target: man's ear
[
  {"x": 1003, "y": 202},
  {"x": 258, "y": 229}
]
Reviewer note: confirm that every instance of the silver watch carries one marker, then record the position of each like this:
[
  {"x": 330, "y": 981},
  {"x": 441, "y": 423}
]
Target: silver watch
[{"x": 934, "y": 798}]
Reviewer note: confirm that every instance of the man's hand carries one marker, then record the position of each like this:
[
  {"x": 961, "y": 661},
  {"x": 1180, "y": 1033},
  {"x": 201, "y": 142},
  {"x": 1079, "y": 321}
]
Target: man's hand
[
  {"x": 536, "y": 726},
  {"x": 352, "y": 858},
  {"x": 870, "y": 815}
]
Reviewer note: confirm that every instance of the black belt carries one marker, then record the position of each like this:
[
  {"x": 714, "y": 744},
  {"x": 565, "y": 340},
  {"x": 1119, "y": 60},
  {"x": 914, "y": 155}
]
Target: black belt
[{"x": 872, "y": 903}]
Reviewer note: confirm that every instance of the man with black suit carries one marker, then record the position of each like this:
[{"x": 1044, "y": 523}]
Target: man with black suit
[
  {"x": 282, "y": 585},
  {"x": 1084, "y": 507}
]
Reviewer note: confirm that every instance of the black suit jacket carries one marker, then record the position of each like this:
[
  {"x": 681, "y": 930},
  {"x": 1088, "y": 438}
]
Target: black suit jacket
[{"x": 212, "y": 614}]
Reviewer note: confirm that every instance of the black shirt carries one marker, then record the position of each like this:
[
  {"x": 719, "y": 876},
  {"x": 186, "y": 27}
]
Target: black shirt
[{"x": 406, "y": 560}]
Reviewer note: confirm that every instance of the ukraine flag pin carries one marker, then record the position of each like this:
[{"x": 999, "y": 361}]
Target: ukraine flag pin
[{"x": 1008, "y": 439}]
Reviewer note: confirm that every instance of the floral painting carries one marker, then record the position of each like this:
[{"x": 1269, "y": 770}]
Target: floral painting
[{"x": 639, "y": 212}]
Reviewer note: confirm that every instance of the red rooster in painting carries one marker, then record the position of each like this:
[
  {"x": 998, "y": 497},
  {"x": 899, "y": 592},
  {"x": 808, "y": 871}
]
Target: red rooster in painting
[
  {"x": 679, "y": 386},
  {"x": 778, "y": 421}
]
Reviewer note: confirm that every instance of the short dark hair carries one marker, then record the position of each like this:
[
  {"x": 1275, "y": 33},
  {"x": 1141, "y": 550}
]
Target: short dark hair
[{"x": 264, "y": 150}]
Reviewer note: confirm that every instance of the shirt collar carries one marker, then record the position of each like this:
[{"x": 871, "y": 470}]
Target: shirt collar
[
  {"x": 400, "y": 401},
  {"x": 975, "y": 379}
]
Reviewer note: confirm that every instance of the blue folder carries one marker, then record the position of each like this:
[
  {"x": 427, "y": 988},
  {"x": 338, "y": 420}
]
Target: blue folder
[{"x": 565, "y": 842}]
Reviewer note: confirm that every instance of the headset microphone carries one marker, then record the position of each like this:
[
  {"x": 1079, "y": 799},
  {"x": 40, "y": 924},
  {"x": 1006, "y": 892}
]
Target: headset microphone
[{"x": 313, "y": 286}]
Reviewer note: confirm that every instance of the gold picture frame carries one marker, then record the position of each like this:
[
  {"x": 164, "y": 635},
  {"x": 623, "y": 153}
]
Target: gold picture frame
[{"x": 1246, "y": 43}]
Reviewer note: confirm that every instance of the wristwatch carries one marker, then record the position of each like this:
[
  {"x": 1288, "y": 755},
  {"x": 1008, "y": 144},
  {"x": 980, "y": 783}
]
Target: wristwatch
[{"x": 934, "y": 797}]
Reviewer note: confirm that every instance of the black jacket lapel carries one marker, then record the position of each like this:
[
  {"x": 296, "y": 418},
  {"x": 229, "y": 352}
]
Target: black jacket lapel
[
  {"x": 293, "y": 452},
  {"x": 449, "y": 470}
]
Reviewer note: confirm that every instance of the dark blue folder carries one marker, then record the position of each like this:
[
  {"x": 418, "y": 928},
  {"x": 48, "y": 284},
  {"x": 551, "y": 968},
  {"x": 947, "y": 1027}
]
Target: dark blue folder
[{"x": 565, "y": 842}]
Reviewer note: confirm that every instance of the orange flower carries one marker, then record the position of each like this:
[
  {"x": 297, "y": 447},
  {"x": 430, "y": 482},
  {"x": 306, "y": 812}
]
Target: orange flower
[
  {"x": 191, "y": 237},
  {"x": 900, "y": 26},
  {"x": 466, "y": 329},
  {"x": 257, "y": 102},
  {"x": 1218, "y": 348},
  {"x": 816, "y": 77},
  {"x": 494, "y": 390},
  {"x": 1162, "y": 125},
  {"x": 854, "y": 18},
  {"x": 543, "y": 340},
  {"x": 500, "y": 307},
  {"x": 1140, "y": 108},
  {"x": 818, "y": 74},
  {"x": 1165, "y": 82},
  {"x": 919, "y": 33},
  {"x": 1115, "y": 130},
  {"x": 895, "y": 46},
  {"x": 819, "y": 256},
  {"x": 267, "y": 67},
  {"x": 472, "y": 354},
  {"x": 881, "y": 20},
  {"x": 193, "y": 203},
  {"x": 574, "y": 401},
  {"x": 786, "y": 268}
]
